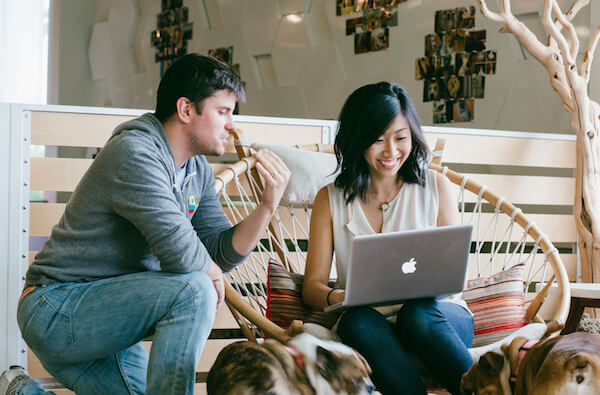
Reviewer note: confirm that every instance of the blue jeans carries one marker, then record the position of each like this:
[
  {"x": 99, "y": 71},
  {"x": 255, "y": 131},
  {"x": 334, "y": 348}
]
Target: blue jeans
[
  {"x": 88, "y": 335},
  {"x": 438, "y": 333}
]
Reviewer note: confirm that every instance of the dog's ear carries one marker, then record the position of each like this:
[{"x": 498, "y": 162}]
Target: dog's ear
[
  {"x": 491, "y": 361},
  {"x": 467, "y": 383},
  {"x": 325, "y": 361},
  {"x": 364, "y": 362}
]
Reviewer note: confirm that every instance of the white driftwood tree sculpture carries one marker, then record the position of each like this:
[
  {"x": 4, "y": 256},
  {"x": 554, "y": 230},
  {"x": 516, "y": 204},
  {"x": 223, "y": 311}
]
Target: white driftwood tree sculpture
[{"x": 559, "y": 57}]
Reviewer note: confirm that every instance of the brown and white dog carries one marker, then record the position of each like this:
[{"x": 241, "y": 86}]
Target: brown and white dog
[
  {"x": 306, "y": 365},
  {"x": 567, "y": 364}
]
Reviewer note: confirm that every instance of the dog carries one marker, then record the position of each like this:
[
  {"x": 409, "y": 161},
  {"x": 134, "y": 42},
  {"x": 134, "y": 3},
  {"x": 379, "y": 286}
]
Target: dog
[
  {"x": 568, "y": 364},
  {"x": 306, "y": 365}
]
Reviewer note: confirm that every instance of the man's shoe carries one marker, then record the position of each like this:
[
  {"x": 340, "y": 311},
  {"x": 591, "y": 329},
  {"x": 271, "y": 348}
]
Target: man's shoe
[{"x": 11, "y": 379}]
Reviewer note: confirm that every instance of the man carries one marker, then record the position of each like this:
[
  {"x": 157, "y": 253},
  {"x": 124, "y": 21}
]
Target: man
[{"x": 128, "y": 260}]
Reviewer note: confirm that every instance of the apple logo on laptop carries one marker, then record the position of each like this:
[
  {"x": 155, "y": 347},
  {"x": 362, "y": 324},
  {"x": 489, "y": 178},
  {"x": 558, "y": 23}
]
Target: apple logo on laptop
[{"x": 409, "y": 266}]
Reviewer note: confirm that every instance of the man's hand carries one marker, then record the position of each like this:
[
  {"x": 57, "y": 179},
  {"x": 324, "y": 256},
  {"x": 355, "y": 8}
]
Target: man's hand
[
  {"x": 275, "y": 175},
  {"x": 216, "y": 275}
]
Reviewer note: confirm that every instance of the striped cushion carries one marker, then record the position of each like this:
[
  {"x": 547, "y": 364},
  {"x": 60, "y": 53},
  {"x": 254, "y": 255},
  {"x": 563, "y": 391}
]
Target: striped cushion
[
  {"x": 284, "y": 299},
  {"x": 497, "y": 303}
]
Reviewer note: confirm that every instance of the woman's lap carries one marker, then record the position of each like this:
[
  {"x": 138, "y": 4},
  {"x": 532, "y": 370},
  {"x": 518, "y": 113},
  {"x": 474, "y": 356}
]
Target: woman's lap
[{"x": 424, "y": 327}]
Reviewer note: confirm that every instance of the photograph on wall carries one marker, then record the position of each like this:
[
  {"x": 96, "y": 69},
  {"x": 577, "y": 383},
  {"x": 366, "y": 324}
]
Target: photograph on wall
[
  {"x": 380, "y": 40},
  {"x": 373, "y": 19},
  {"x": 439, "y": 112},
  {"x": 467, "y": 87},
  {"x": 465, "y": 17},
  {"x": 477, "y": 86},
  {"x": 433, "y": 44},
  {"x": 362, "y": 42},
  {"x": 363, "y": 5},
  {"x": 475, "y": 41},
  {"x": 224, "y": 54},
  {"x": 389, "y": 18},
  {"x": 455, "y": 86},
  {"x": 182, "y": 15},
  {"x": 445, "y": 20},
  {"x": 422, "y": 68},
  {"x": 187, "y": 31},
  {"x": 344, "y": 7},
  {"x": 459, "y": 40},
  {"x": 463, "y": 110},
  {"x": 353, "y": 23},
  {"x": 442, "y": 65},
  {"x": 490, "y": 62},
  {"x": 446, "y": 43},
  {"x": 461, "y": 63},
  {"x": 170, "y": 4},
  {"x": 431, "y": 90},
  {"x": 477, "y": 61}
]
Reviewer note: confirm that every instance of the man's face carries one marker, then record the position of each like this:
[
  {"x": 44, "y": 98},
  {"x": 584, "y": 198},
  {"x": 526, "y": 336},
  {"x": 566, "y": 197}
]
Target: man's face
[{"x": 208, "y": 131}]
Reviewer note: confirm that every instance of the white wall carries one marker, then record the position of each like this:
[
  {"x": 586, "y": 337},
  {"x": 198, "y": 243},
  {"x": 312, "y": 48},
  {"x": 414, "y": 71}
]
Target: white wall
[
  {"x": 313, "y": 63},
  {"x": 69, "y": 69}
]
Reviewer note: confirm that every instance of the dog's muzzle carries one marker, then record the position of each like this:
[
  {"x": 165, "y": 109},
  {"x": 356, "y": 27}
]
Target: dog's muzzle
[{"x": 369, "y": 386}]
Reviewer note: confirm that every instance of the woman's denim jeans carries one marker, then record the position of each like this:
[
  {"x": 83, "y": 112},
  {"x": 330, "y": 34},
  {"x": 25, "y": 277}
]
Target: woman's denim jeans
[
  {"x": 88, "y": 335},
  {"x": 438, "y": 333}
]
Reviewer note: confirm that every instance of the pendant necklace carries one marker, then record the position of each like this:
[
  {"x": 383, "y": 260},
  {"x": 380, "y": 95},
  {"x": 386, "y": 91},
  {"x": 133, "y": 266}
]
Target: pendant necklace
[{"x": 385, "y": 205}]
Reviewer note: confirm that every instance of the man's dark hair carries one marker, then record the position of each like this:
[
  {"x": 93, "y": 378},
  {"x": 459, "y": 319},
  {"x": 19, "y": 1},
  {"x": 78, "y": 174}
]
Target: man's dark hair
[
  {"x": 365, "y": 116},
  {"x": 196, "y": 77}
]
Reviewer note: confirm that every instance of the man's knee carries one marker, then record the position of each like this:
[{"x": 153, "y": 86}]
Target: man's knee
[{"x": 200, "y": 288}]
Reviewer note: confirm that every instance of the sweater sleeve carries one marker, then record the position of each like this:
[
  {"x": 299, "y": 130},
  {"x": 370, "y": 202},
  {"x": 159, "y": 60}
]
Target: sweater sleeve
[
  {"x": 142, "y": 193},
  {"x": 212, "y": 225}
]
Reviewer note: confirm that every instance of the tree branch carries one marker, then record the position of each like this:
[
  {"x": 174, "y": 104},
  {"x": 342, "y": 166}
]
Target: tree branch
[
  {"x": 575, "y": 7},
  {"x": 561, "y": 18},
  {"x": 485, "y": 11},
  {"x": 586, "y": 65},
  {"x": 548, "y": 55},
  {"x": 555, "y": 34}
]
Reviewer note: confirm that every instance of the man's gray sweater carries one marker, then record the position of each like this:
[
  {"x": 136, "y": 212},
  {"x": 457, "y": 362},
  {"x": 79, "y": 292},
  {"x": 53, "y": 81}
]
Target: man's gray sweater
[{"x": 129, "y": 215}]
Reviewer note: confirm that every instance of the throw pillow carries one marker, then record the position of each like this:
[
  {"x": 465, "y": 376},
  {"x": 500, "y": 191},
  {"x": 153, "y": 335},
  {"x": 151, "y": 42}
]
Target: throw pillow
[
  {"x": 497, "y": 304},
  {"x": 284, "y": 299},
  {"x": 305, "y": 181}
]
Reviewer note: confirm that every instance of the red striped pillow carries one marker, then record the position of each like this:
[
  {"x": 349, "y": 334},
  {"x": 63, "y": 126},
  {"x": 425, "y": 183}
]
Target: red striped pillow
[
  {"x": 284, "y": 299},
  {"x": 497, "y": 304}
]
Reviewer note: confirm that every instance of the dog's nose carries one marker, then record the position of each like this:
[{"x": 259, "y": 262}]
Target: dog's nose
[{"x": 369, "y": 386}]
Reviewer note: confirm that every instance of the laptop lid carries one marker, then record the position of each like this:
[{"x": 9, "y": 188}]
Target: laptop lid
[{"x": 387, "y": 268}]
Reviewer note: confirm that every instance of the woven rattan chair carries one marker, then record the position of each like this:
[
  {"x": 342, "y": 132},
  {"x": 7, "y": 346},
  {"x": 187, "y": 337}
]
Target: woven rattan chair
[{"x": 502, "y": 237}]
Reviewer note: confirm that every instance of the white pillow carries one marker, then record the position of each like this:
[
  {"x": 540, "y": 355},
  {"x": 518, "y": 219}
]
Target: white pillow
[{"x": 311, "y": 171}]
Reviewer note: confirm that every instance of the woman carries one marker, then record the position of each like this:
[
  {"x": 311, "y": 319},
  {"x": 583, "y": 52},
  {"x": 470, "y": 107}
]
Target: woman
[{"x": 385, "y": 186}]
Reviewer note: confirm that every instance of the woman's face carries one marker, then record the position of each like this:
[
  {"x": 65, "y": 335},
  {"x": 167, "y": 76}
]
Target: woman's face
[{"x": 388, "y": 153}]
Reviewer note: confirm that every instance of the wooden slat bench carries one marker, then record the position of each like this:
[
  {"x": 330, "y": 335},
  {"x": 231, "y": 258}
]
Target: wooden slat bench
[{"x": 533, "y": 171}]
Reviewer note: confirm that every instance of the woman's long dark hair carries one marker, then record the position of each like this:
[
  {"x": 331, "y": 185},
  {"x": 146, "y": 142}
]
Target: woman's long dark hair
[{"x": 365, "y": 116}]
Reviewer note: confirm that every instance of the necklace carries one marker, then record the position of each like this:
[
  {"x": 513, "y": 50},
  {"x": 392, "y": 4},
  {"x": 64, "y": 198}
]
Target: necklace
[{"x": 385, "y": 205}]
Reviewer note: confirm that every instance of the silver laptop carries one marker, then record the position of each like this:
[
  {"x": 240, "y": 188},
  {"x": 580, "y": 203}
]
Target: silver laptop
[{"x": 388, "y": 268}]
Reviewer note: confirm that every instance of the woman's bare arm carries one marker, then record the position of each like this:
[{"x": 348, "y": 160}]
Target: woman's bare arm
[
  {"x": 319, "y": 256},
  {"x": 448, "y": 210}
]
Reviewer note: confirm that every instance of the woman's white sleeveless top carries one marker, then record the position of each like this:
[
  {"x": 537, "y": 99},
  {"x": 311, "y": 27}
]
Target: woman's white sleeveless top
[{"x": 414, "y": 207}]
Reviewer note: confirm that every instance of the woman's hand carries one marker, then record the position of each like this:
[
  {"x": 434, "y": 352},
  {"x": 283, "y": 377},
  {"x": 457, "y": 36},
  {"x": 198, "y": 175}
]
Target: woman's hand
[{"x": 337, "y": 296}]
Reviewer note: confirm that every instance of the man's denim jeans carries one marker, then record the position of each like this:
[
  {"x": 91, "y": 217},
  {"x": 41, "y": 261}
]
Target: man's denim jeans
[{"x": 88, "y": 335}]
